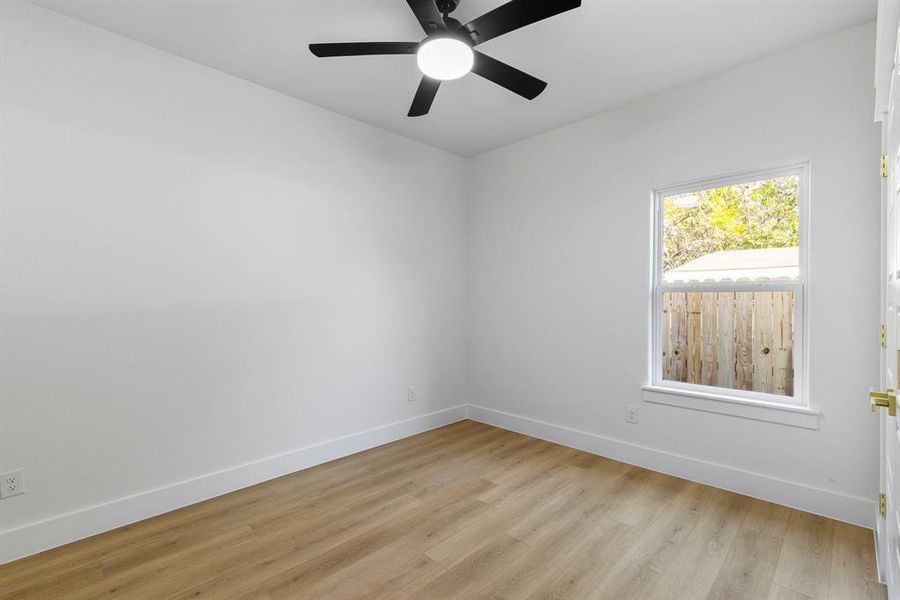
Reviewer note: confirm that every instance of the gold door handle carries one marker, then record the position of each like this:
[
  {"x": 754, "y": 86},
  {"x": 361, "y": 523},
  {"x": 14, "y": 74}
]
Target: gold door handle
[{"x": 886, "y": 399}]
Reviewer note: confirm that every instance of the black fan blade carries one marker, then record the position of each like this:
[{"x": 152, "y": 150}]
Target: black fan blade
[
  {"x": 427, "y": 13},
  {"x": 421, "y": 103},
  {"x": 509, "y": 77},
  {"x": 513, "y": 15},
  {"x": 363, "y": 48}
]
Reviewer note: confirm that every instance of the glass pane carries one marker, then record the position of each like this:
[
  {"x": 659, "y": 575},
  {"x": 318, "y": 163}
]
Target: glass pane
[
  {"x": 744, "y": 232},
  {"x": 735, "y": 340}
]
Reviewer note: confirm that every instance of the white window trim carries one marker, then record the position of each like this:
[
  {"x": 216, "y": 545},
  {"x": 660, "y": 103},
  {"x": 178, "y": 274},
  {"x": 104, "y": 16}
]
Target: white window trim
[
  {"x": 724, "y": 404},
  {"x": 742, "y": 403}
]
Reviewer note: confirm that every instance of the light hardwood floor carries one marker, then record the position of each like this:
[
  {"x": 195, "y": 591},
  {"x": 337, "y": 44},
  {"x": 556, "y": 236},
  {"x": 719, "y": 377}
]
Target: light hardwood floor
[{"x": 465, "y": 511}]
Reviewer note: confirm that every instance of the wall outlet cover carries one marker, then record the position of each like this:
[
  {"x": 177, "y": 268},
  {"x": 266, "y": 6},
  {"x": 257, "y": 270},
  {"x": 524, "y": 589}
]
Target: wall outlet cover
[
  {"x": 631, "y": 415},
  {"x": 12, "y": 484}
]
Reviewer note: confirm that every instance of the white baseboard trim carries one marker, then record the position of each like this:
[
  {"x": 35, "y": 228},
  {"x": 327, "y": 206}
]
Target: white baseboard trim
[
  {"x": 62, "y": 529},
  {"x": 836, "y": 505}
]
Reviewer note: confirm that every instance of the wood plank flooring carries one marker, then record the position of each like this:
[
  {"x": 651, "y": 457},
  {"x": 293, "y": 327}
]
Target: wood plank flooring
[{"x": 465, "y": 511}]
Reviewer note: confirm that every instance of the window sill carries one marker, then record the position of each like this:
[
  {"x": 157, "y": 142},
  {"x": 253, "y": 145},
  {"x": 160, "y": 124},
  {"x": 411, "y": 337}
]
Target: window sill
[{"x": 795, "y": 416}]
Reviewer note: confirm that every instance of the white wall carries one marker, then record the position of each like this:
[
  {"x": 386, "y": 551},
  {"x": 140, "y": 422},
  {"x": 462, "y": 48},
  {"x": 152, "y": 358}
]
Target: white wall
[
  {"x": 199, "y": 272},
  {"x": 559, "y": 264}
]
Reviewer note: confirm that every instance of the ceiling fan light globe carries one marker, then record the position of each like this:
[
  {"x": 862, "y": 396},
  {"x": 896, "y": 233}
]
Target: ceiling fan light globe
[{"x": 445, "y": 58}]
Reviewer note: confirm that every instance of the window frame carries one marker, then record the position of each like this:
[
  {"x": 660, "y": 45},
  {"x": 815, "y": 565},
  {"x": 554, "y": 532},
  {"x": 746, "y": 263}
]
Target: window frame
[{"x": 798, "y": 286}]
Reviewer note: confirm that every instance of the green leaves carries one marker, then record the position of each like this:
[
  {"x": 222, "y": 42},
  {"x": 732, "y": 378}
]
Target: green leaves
[{"x": 757, "y": 214}]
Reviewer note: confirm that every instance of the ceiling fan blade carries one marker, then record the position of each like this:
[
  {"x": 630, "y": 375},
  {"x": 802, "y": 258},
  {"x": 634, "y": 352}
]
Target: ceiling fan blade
[
  {"x": 421, "y": 103},
  {"x": 427, "y": 13},
  {"x": 513, "y": 15},
  {"x": 509, "y": 77},
  {"x": 363, "y": 48}
]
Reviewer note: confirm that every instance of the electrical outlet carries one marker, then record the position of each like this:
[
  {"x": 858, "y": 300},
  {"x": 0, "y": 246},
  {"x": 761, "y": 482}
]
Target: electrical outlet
[
  {"x": 631, "y": 415},
  {"x": 411, "y": 394},
  {"x": 11, "y": 484}
]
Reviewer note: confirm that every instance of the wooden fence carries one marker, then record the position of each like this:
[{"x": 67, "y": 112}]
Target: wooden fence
[{"x": 737, "y": 340}]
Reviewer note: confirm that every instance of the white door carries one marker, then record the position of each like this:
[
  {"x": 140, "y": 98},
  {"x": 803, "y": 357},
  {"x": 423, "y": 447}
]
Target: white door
[{"x": 888, "y": 519}]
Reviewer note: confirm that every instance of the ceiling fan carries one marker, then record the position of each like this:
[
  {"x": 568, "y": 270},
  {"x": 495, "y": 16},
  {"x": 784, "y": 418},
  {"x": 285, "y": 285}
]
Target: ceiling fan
[{"x": 447, "y": 52}]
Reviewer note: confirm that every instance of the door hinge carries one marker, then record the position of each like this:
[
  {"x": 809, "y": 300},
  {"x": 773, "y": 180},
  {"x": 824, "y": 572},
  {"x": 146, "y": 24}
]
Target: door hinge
[
  {"x": 884, "y": 165},
  {"x": 882, "y": 505},
  {"x": 883, "y": 337}
]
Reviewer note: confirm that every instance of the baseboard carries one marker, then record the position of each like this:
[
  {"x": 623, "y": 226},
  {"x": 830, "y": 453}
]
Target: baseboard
[
  {"x": 56, "y": 531},
  {"x": 836, "y": 505}
]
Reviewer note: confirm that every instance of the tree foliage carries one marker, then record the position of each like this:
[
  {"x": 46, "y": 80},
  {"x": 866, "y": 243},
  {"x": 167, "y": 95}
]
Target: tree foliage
[{"x": 758, "y": 214}]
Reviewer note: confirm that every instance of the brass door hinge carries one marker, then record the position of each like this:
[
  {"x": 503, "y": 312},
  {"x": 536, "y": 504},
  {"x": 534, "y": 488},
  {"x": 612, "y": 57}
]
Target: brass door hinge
[
  {"x": 884, "y": 165},
  {"x": 882, "y": 505},
  {"x": 883, "y": 337}
]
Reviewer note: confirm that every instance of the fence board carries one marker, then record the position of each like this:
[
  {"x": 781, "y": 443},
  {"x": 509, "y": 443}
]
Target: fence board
[
  {"x": 725, "y": 356},
  {"x": 668, "y": 338},
  {"x": 709, "y": 334},
  {"x": 783, "y": 309},
  {"x": 743, "y": 326},
  {"x": 679, "y": 336},
  {"x": 694, "y": 332},
  {"x": 763, "y": 342}
]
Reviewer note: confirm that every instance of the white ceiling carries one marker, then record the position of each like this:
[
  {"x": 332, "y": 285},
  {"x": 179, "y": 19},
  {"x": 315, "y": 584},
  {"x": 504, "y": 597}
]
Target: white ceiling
[{"x": 602, "y": 55}]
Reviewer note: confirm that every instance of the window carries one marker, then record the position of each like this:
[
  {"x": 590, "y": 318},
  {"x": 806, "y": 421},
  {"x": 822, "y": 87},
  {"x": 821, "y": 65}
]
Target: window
[{"x": 729, "y": 277}]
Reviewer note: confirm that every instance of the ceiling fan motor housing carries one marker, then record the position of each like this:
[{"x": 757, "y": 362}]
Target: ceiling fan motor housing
[{"x": 454, "y": 29}]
